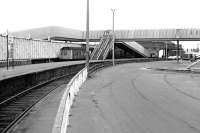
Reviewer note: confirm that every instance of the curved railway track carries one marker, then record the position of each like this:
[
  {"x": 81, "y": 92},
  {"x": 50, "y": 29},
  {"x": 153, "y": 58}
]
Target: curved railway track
[{"x": 15, "y": 108}]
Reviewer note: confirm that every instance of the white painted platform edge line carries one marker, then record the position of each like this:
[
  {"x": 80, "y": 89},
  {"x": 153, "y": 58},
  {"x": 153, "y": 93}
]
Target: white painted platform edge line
[
  {"x": 62, "y": 118},
  {"x": 59, "y": 115}
]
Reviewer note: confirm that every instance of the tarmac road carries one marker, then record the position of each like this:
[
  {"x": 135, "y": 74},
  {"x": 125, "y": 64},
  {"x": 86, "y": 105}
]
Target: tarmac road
[{"x": 131, "y": 99}]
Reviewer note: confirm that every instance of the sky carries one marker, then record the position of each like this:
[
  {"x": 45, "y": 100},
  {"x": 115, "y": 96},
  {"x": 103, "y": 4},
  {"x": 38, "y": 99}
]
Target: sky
[{"x": 130, "y": 14}]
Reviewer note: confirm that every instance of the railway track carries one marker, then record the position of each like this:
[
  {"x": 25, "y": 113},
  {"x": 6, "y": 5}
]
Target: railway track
[{"x": 15, "y": 108}]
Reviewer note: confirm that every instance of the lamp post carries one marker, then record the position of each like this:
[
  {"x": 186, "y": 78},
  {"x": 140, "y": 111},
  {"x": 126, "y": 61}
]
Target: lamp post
[
  {"x": 166, "y": 49},
  {"x": 7, "y": 60},
  {"x": 87, "y": 36},
  {"x": 177, "y": 37},
  {"x": 113, "y": 32}
]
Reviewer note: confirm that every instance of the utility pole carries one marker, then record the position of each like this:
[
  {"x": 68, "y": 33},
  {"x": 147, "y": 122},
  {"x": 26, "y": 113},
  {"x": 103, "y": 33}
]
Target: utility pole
[
  {"x": 177, "y": 54},
  {"x": 87, "y": 36},
  {"x": 7, "y": 61},
  {"x": 177, "y": 37},
  {"x": 113, "y": 32},
  {"x": 166, "y": 54}
]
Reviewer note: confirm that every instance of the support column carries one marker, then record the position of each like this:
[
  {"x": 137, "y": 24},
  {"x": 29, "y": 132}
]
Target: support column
[
  {"x": 177, "y": 51},
  {"x": 166, "y": 51},
  {"x": 7, "y": 60},
  {"x": 87, "y": 36},
  {"x": 113, "y": 32},
  {"x": 163, "y": 52}
]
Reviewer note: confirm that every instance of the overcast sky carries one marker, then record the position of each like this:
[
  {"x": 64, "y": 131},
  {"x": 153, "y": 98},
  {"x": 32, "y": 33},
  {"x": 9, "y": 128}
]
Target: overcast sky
[{"x": 130, "y": 14}]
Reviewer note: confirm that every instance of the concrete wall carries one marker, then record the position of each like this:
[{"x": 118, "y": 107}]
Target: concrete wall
[{"x": 12, "y": 86}]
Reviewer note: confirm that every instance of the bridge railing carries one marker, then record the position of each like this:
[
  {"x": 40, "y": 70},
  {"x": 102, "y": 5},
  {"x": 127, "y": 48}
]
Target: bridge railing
[{"x": 159, "y": 33}]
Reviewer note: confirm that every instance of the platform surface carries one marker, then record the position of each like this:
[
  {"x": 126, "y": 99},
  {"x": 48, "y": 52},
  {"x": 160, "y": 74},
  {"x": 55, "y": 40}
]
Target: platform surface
[
  {"x": 25, "y": 69},
  {"x": 132, "y": 99},
  {"x": 41, "y": 117}
]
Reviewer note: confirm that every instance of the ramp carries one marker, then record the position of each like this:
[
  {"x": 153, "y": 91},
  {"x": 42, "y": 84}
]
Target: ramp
[{"x": 137, "y": 48}]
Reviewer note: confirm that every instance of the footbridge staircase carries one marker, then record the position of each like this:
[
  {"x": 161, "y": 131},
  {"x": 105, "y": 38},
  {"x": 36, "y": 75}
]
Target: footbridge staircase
[{"x": 101, "y": 51}]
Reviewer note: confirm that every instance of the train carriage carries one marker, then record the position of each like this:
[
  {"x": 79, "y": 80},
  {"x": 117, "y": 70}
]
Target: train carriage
[{"x": 72, "y": 53}]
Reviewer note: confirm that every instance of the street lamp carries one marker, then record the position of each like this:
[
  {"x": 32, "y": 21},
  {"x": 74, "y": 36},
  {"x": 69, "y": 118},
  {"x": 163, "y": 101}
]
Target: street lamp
[
  {"x": 7, "y": 60},
  {"x": 166, "y": 49},
  {"x": 177, "y": 37},
  {"x": 87, "y": 36},
  {"x": 113, "y": 32}
]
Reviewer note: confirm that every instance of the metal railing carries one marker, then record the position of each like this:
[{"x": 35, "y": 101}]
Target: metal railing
[
  {"x": 109, "y": 46},
  {"x": 157, "y": 33},
  {"x": 94, "y": 57},
  {"x": 96, "y": 48},
  {"x": 103, "y": 46}
]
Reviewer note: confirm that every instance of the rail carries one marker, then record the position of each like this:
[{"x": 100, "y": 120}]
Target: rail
[
  {"x": 72, "y": 88},
  {"x": 109, "y": 46},
  {"x": 157, "y": 34},
  {"x": 103, "y": 46},
  {"x": 96, "y": 48}
]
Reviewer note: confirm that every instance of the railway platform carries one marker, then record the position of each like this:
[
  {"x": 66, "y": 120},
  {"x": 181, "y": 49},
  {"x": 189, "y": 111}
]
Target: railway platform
[
  {"x": 125, "y": 98},
  {"x": 41, "y": 118},
  {"x": 26, "y": 69},
  {"x": 181, "y": 66},
  {"x": 130, "y": 98},
  {"x": 22, "y": 87}
]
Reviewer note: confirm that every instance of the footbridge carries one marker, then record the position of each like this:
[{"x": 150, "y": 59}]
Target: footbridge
[
  {"x": 151, "y": 35},
  {"x": 161, "y": 37},
  {"x": 164, "y": 35},
  {"x": 66, "y": 34}
]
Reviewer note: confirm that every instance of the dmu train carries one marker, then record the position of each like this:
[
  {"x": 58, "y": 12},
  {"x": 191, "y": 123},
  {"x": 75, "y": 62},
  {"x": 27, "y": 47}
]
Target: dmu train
[{"x": 72, "y": 53}]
